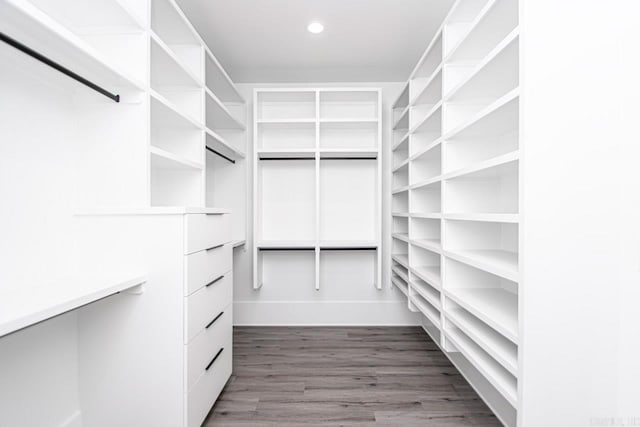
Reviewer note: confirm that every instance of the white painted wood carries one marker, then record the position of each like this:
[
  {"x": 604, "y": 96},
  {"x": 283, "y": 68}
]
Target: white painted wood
[{"x": 202, "y": 306}]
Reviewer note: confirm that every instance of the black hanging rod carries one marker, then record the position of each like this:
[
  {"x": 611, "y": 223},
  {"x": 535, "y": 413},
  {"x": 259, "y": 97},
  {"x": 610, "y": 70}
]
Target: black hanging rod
[
  {"x": 321, "y": 158},
  {"x": 229, "y": 159},
  {"x": 284, "y": 248},
  {"x": 16, "y": 44},
  {"x": 359, "y": 248}
]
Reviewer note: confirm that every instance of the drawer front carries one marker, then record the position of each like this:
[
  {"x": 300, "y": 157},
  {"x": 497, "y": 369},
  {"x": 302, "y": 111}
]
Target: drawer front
[
  {"x": 206, "y": 390},
  {"x": 206, "y": 344},
  {"x": 206, "y": 231},
  {"x": 204, "y": 266},
  {"x": 204, "y": 305}
]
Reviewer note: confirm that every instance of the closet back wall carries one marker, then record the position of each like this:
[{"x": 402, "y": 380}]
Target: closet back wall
[{"x": 347, "y": 295}]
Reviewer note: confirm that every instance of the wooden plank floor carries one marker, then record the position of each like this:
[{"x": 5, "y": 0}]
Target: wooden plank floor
[{"x": 392, "y": 376}]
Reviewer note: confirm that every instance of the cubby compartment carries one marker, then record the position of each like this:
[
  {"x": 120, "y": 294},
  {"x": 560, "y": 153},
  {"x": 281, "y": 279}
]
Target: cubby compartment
[
  {"x": 427, "y": 67},
  {"x": 497, "y": 346},
  {"x": 400, "y": 227},
  {"x": 175, "y": 134},
  {"x": 174, "y": 182},
  {"x": 426, "y": 118},
  {"x": 417, "y": 302},
  {"x": 501, "y": 379},
  {"x": 424, "y": 141},
  {"x": 430, "y": 92},
  {"x": 490, "y": 298},
  {"x": 400, "y": 202},
  {"x": 286, "y": 106},
  {"x": 286, "y": 203},
  {"x": 114, "y": 29},
  {"x": 345, "y": 135},
  {"x": 348, "y": 200},
  {"x": 171, "y": 81},
  {"x": 491, "y": 246},
  {"x": 400, "y": 177},
  {"x": 425, "y": 264},
  {"x": 461, "y": 19},
  {"x": 400, "y": 252},
  {"x": 400, "y": 149},
  {"x": 426, "y": 199},
  {"x": 426, "y": 166},
  {"x": 400, "y": 277},
  {"x": 219, "y": 82},
  {"x": 174, "y": 30},
  {"x": 488, "y": 191},
  {"x": 427, "y": 291},
  {"x": 491, "y": 26},
  {"x": 495, "y": 77},
  {"x": 426, "y": 233},
  {"x": 348, "y": 105},
  {"x": 494, "y": 134},
  {"x": 286, "y": 136}
]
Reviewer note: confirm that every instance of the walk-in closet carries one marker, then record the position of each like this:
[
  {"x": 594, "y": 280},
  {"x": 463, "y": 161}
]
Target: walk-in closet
[{"x": 319, "y": 213}]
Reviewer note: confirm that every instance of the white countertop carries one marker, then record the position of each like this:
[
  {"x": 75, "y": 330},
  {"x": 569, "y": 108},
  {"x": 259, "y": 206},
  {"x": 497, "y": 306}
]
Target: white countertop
[{"x": 27, "y": 305}]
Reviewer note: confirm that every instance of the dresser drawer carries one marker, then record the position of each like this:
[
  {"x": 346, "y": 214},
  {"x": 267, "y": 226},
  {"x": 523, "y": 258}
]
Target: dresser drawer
[
  {"x": 206, "y": 231},
  {"x": 200, "y": 351},
  {"x": 206, "y": 390},
  {"x": 204, "y": 305},
  {"x": 204, "y": 266}
]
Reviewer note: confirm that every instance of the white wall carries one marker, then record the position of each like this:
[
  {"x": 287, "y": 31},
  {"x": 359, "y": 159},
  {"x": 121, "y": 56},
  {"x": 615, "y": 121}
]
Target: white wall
[
  {"x": 38, "y": 366},
  {"x": 581, "y": 253},
  {"x": 347, "y": 295}
]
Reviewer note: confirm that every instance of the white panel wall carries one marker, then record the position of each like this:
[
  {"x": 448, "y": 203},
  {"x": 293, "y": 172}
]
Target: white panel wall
[
  {"x": 581, "y": 104},
  {"x": 346, "y": 295}
]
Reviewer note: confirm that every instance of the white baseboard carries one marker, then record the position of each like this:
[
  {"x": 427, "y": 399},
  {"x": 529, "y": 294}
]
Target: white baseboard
[
  {"x": 323, "y": 313},
  {"x": 75, "y": 420}
]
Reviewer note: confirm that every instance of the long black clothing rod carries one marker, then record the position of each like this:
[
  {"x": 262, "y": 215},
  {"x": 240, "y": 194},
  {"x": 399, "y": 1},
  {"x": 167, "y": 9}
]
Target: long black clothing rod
[
  {"x": 221, "y": 155},
  {"x": 16, "y": 44}
]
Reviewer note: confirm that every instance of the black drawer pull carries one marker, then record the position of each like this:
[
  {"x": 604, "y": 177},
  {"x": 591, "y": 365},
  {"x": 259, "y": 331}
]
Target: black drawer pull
[
  {"x": 214, "y": 320},
  {"x": 215, "y": 247},
  {"x": 214, "y": 359},
  {"x": 215, "y": 280}
]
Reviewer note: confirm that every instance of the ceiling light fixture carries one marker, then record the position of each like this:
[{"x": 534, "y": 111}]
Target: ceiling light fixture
[{"x": 315, "y": 28}]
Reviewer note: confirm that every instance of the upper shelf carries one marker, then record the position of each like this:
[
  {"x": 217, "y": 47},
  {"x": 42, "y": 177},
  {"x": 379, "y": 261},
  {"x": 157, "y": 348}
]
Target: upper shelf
[
  {"x": 27, "y": 24},
  {"x": 26, "y": 306},
  {"x": 219, "y": 82},
  {"x": 218, "y": 115}
]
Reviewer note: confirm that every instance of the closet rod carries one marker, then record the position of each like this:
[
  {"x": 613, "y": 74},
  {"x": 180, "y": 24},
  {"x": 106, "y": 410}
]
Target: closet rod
[
  {"x": 16, "y": 44},
  {"x": 287, "y": 158},
  {"x": 284, "y": 248},
  {"x": 361, "y": 248},
  {"x": 221, "y": 155},
  {"x": 321, "y": 158}
]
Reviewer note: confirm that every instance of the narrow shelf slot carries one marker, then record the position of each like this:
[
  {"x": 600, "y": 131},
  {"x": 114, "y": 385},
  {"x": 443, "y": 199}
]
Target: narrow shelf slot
[
  {"x": 423, "y": 306},
  {"x": 500, "y": 378},
  {"x": 426, "y": 265},
  {"x": 492, "y": 299},
  {"x": 502, "y": 350},
  {"x": 427, "y": 291}
]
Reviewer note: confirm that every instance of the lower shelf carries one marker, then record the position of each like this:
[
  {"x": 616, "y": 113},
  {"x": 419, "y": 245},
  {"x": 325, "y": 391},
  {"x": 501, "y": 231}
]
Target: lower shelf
[{"x": 503, "y": 381}]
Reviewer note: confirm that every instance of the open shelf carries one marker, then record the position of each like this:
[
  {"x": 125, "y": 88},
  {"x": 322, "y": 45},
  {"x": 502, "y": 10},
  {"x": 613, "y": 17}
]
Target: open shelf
[
  {"x": 430, "y": 274},
  {"x": 460, "y": 20},
  {"x": 426, "y": 67},
  {"x": 497, "y": 346},
  {"x": 402, "y": 259},
  {"x": 505, "y": 218},
  {"x": 493, "y": 190},
  {"x": 347, "y": 244},
  {"x": 287, "y": 136},
  {"x": 401, "y": 236},
  {"x": 220, "y": 144},
  {"x": 491, "y": 25},
  {"x": 399, "y": 283},
  {"x": 492, "y": 134},
  {"x": 286, "y": 106},
  {"x": 169, "y": 25},
  {"x": 424, "y": 307},
  {"x": 348, "y": 105},
  {"x": 490, "y": 298},
  {"x": 494, "y": 77},
  {"x": 162, "y": 159},
  {"x": 219, "y": 82},
  {"x": 275, "y": 153},
  {"x": 426, "y": 199},
  {"x": 427, "y": 166},
  {"x": 426, "y": 291},
  {"x": 402, "y": 100},
  {"x": 500, "y": 378},
  {"x": 349, "y": 135},
  {"x": 92, "y": 57},
  {"x": 426, "y": 118},
  {"x": 402, "y": 119},
  {"x": 218, "y": 116},
  {"x": 429, "y": 90},
  {"x": 499, "y": 262}
]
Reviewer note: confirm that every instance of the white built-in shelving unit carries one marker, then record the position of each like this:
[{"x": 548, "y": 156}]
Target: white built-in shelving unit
[
  {"x": 317, "y": 173},
  {"x": 456, "y": 197}
]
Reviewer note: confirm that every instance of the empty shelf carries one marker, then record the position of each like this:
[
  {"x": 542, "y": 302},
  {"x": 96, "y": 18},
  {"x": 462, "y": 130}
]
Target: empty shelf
[
  {"x": 27, "y": 305},
  {"x": 498, "y": 262},
  {"x": 498, "y": 347},
  {"x": 401, "y": 259},
  {"x": 286, "y": 244},
  {"x": 161, "y": 159},
  {"x": 496, "y": 307},
  {"x": 218, "y": 115},
  {"x": 430, "y": 275},
  {"x": 432, "y": 245},
  {"x": 427, "y": 309}
]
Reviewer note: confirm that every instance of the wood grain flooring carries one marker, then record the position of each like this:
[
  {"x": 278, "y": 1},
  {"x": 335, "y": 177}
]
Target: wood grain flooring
[{"x": 369, "y": 376}]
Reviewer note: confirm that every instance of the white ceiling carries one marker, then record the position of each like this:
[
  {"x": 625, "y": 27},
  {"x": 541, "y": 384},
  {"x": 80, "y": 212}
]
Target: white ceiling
[{"x": 266, "y": 41}]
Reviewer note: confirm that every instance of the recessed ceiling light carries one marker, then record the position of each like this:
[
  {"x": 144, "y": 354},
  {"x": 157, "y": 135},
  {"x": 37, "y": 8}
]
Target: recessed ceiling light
[{"x": 315, "y": 28}]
